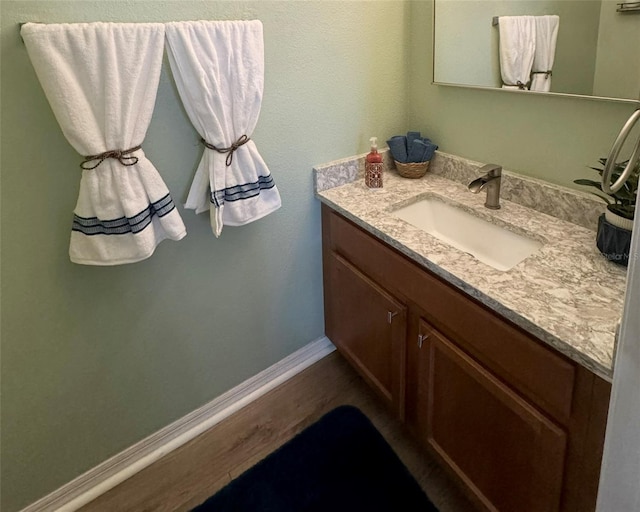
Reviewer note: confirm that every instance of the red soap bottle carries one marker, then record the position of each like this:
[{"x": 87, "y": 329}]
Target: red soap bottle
[{"x": 373, "y": 166}]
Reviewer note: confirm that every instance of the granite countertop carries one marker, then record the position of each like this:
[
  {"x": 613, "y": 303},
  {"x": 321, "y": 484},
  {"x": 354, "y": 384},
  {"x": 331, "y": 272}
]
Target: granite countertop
[{"x": 566, "y": 294}]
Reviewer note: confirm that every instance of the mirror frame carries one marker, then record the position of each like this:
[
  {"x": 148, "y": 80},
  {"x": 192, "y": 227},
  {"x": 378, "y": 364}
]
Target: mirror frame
[{"x": 511, "y": 91}]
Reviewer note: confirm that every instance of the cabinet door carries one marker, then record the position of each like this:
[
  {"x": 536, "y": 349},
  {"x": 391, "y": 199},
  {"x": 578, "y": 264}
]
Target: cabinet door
[
  {"x": 368, "y": 327},
  {"x": 508, "y": 454}
]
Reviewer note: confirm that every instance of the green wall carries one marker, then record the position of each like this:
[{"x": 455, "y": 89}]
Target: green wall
[
  {"x": 96, "y": 358},
  {"x": 553, "y": 138},
  {"x": 618, "y": 35}
]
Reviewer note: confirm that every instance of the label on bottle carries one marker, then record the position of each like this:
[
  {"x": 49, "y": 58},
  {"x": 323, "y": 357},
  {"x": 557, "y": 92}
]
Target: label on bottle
[{"x": 373, "y": 175}]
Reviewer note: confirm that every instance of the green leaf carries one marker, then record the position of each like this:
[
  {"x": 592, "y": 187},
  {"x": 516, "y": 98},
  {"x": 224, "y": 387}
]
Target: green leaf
[
  {"x": 626, "y": 194},
  {"x": 586, "y": 182}
]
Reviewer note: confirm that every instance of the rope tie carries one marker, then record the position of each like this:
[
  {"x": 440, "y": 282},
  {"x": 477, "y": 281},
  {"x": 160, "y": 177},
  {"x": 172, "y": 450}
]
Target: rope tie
[
  {"x": 230, "y": 150},
  {"x": 119, "y": 155},
  {"x": 521, "y": 86},
  {"x": 546, "y": 74}
]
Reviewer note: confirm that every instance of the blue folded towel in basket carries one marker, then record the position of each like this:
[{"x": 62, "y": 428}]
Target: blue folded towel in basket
[
  {"x": 411, "y": 148},
  {"x": 398, "y": 147}
]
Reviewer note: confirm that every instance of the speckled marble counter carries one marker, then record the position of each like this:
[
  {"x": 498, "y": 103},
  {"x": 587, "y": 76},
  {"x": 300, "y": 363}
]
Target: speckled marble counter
[{"x": 566, "y": 294}]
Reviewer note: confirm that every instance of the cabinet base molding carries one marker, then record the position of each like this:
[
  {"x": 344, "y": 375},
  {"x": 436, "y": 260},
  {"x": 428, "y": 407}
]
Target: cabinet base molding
[{"x": 117, "y": 469}]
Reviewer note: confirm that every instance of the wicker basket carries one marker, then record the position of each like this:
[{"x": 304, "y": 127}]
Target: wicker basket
[{"x": 412, "y": 170}]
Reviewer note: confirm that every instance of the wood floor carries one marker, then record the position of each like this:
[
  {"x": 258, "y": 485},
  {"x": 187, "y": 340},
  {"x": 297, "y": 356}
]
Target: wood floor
[{"x": 189, "y": 475}]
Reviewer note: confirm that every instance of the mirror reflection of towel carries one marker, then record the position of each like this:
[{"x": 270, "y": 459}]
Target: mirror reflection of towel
[
  {"x": 544, "y": 56},
  {"x": 517, "y": 48}
]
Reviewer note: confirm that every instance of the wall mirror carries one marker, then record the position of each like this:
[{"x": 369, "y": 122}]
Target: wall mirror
[{"x": 596, "y": 51}]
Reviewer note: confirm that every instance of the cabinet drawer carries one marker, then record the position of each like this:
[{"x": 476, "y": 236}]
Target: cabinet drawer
[
  {"x": 509, "y": 455},
  {"x": 539, "y": 373}
]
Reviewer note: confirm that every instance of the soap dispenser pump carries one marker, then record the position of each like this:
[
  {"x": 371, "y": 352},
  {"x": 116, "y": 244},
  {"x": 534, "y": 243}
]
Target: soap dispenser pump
[{"x": 373, "y": 166}]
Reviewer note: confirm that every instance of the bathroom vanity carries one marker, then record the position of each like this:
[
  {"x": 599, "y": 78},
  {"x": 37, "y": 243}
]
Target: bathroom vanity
[{"x": 503, "y": 375}]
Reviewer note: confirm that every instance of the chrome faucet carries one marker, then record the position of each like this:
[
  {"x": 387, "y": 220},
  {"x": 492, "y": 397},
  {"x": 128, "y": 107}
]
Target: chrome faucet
[{"x": 491, "y": 182}]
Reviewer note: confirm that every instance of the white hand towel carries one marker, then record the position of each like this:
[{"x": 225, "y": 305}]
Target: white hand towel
[
  {"x": 546, "y": 37},
  {"x": 101, "y": 81},
  {"x": 219, "y": 71},
  {"x": 517, "y": 47}
]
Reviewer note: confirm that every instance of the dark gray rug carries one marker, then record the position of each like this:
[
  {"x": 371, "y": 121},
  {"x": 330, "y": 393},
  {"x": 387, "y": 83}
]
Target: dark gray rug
[{"x": 340, "y": 463}]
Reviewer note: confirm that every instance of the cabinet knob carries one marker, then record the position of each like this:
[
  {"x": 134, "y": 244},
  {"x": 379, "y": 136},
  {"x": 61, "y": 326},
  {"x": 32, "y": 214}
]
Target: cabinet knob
[
  {"x": 421, "y": 339},
  {"x": 390, "y": 316}
]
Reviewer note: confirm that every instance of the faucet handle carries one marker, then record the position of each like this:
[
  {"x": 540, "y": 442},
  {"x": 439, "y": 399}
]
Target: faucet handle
[{"x": 492, "y": 170}]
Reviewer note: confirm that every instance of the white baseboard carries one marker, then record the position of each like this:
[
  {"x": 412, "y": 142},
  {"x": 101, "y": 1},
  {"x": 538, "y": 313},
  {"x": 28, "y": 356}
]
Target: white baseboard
[{"x": 117, "y": 469}]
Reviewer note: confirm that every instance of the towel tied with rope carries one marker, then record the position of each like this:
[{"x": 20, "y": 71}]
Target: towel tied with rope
[
  {"x": 124, "y": 208},
  {"x": 218, "y": 68}
]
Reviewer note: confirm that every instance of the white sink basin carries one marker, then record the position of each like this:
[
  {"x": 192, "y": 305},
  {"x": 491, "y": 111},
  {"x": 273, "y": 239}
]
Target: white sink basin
[{"x": 496, "y": 246}]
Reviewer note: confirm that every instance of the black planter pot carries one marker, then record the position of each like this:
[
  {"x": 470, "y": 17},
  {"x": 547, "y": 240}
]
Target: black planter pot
[{"x": 613, "y": 242}]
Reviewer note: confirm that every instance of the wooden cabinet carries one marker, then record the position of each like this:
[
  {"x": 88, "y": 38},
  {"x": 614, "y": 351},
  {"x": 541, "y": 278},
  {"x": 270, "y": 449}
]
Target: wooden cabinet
[
  {"x": 509, "y": 454},
  {"x": 519, "y": 425},
  {"x": 368, "y": 326}
]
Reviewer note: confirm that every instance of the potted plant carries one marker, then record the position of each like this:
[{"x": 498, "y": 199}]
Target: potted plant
[{"x": 614, "y": 227}]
